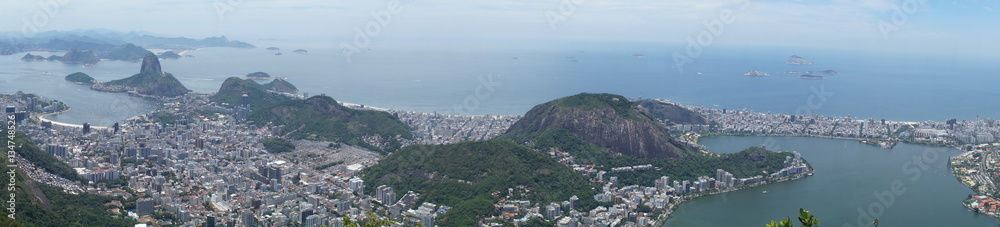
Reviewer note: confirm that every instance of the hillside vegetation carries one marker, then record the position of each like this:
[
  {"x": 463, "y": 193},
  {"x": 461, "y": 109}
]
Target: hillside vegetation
[{"x": 464, "y": 175}]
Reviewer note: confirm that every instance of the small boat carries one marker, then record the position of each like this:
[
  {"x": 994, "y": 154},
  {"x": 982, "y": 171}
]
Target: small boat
[{"x": 764, "y": 192}]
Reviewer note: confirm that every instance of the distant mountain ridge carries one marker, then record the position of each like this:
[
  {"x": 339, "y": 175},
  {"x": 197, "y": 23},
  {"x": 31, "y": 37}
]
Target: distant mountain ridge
[{"x": 107, "y": 44}]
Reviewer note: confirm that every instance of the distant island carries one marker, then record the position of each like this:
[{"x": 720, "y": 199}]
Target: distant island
[
  {"x": 80, "y": 78},
  {"x": 638, "y": 56},
  {"x": 825, "y": 72},
  {"x": 300, "y": 51},
  {"x": 31, "y": 57},
  {"x": 170, "y": 55},
  {"x": 756, "y": 73},
  {"x": 813, "y": 77},
  {"x": 73, "y": 56},
  {"x": 273, "y": 49},
  {"x": 796, "y": 60},
  {"x": 260, "y": 76}
]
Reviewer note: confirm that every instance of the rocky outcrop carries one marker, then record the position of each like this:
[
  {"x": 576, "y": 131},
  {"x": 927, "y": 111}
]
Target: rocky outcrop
[
  {"x": 609, "y": 121},
  {"x": 150, "y": 64}
]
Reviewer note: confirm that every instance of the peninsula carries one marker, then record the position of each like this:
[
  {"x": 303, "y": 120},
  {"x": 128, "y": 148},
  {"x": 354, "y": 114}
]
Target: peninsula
[{"x": 151, "y": 81}]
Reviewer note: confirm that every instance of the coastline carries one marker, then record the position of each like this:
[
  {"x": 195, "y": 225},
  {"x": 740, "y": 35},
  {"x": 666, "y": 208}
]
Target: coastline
[
  {"x": 41, "y": 117},
  {"x": 661, "y": 219}
]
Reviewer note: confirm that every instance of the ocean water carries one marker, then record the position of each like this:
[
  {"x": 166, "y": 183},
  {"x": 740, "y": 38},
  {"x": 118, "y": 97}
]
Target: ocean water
[{"x": 870, "y": 85}]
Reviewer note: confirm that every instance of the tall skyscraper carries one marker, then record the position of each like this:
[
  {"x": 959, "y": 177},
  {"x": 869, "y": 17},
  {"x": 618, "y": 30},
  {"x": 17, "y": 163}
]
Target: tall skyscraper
[
  {"x": 199, "y": 143},
  {"x": 245, "y": 100},
  {"x": 210, "y": 221},
  {"x": 144, "y": 206},
  {"x": 86, "y": 128},
  {"x": 385, "y": 194},
  {"x": 357, "y": 185}
]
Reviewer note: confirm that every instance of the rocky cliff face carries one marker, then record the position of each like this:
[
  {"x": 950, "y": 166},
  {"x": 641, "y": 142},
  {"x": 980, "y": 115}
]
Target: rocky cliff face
[
  {"x": 609, "y": 121},
  {"x": 150, "y": 64}
]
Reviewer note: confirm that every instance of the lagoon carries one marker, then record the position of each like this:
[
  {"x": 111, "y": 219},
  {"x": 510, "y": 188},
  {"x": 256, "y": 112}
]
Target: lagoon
[{"x": 853, "y": 183}]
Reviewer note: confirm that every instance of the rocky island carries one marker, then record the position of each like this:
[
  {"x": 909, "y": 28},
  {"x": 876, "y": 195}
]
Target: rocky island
[
  {"x": 756, "y": 73},
  {"x": 796, "y": 60},
  {"x": 260, "y": 76},
  {"x": 825, "y": 72},
  {"x": 170, "y": 55},
  {"x": 812, "y": 77},
  {"x": 80, "y": 78}
]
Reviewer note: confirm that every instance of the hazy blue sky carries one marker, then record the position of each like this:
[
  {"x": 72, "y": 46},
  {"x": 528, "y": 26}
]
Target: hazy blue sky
[{"x": 963, "y": 27}]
